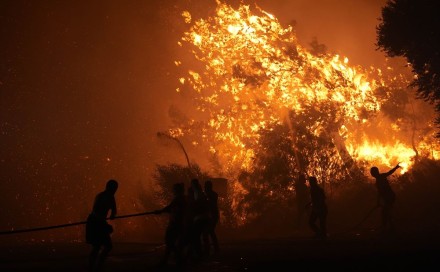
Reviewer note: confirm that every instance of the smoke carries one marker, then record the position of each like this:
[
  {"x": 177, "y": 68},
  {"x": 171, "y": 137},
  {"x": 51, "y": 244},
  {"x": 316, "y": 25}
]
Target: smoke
[{"x": 346, "y": 27}]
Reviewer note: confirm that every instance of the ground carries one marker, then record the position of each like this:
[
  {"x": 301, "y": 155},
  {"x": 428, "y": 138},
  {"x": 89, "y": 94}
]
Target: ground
[{"x": 356, "y": 251}]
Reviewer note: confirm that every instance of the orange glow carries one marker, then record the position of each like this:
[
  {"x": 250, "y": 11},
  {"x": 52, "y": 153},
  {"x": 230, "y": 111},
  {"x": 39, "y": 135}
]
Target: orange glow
[
  {"x": 382, "y": 154},
  {"x": 254, "y": 75}
]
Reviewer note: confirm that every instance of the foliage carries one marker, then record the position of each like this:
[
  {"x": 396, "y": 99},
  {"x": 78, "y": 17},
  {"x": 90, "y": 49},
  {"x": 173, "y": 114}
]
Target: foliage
[
  {"x": 167, "y": 175},
  {"x": 411, "y": 29},
  {"x": 249, "y": 72},
  {"x": 274, "y": 164},
  {"x": 283, "y": 152}
]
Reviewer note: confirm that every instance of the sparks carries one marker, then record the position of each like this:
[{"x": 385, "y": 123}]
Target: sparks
[{"x": 255, "y": 76}]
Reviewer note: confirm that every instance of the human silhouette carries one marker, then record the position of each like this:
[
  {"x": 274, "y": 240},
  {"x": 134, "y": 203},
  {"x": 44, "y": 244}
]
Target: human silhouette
[
  {"x": 386, "y": 197},
  {"x": 198, "y": 219},
  {"x": 214, "y": 215},
  {"x": 302, "y": 198},
  {"x": 176, "y": 224},
  {"x": 97, "y": 229},
  {"x": 319, "y": 209}
]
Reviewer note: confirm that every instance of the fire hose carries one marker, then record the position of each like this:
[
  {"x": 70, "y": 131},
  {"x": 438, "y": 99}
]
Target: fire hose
[
  {"x": 68, "y": 225},
  {"x": 370, "y": 212},
  {"x": 366, "y": 217}
]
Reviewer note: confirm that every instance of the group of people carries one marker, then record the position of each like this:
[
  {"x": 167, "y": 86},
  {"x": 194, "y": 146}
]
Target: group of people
[
  {"x": 315, "y": 197},
  {"x": 193, "y": 217},
  {"x": 190, "y": 234}
]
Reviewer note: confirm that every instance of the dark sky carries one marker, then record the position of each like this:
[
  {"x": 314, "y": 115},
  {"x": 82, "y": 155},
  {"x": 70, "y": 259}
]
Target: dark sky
[{"x": 85, "y": 86}]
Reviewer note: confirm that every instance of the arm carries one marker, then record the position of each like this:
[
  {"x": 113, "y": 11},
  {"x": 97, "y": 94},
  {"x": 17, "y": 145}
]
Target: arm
[
  {"x": 392, "y": 170},
  {"x": 113, "y": 209},
  {"x": 166, "y": 209}
]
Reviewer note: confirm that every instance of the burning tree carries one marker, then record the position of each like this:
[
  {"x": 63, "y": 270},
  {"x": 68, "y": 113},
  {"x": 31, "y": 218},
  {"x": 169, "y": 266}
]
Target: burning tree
[{"x": 269, "y": 109}]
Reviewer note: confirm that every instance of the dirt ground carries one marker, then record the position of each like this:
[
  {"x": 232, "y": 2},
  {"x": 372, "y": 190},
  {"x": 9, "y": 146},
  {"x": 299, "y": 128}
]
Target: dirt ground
[{"x": 356, "y": 251}]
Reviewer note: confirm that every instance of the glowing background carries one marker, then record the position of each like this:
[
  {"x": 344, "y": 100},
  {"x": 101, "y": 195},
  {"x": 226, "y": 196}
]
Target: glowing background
[{"x": 85, "y": 87}]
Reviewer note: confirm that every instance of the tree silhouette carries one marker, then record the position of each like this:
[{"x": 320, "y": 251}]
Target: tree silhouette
[
  {"x": 167, "y": 175},
  {"x": 411, "y": 29}
]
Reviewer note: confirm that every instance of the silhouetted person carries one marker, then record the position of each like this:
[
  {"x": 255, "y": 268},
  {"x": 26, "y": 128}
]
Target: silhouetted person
[
  {"x": 197, "y": 218},
  {"x": 214, "y": 215},
  {"x": 386, "y": 196},
  {"x": 175, "y": 229},
  {"x": 319, "y": 209},
  {"x": 97, "y": 229},
  {"x": 302, "y": 197}
]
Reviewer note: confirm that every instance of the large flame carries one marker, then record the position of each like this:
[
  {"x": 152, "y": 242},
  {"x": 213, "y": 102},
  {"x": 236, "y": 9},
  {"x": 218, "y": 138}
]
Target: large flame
[{"x": 252, "y": 74}]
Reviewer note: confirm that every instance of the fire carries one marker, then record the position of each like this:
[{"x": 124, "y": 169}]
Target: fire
[
  {"x": 250, "y": 76},
  {"x": 382, "y": 154}
]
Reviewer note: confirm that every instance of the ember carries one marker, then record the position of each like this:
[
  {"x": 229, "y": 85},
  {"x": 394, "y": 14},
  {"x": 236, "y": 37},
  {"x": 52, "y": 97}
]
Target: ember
[{"x": 253, "y": 76}]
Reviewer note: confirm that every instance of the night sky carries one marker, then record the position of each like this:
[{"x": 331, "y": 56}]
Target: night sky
[{"x": 86, "y": 85}]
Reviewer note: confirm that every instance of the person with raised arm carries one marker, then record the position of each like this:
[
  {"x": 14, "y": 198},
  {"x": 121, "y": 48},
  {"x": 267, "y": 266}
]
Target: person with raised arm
[{"x": 385, "y": 197}]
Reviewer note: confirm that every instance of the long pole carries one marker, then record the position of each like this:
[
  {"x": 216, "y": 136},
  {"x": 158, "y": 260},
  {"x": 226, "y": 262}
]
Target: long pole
[{"x": 67, "y": 225}]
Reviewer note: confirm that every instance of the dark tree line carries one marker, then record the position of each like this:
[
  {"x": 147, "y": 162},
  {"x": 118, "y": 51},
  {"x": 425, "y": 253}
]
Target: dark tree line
[{"x": 411, "y": 29}]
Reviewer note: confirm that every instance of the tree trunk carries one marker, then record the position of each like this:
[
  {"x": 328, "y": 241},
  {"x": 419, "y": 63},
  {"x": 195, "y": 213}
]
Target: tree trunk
[{"x": 355, "y": 172}]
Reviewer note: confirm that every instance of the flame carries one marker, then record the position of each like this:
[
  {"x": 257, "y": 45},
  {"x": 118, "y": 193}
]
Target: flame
[
  {"x": 252, "y": 75},
  {"x": 382, "y": 154}
]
